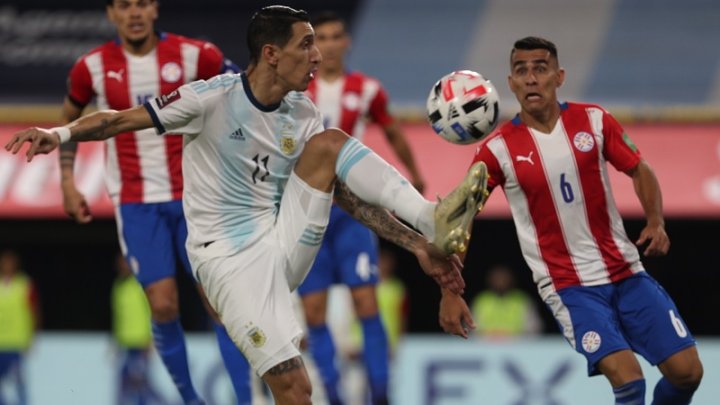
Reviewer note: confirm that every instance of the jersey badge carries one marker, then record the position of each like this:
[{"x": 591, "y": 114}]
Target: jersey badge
[
  {"x": 257, "y": 337},
  {"x": 287, "y": 144},
  {"x": 583, "y": 141},
  {"x": 171, "y": 72},
  {"x": 591, "y": 341},
  {"x": 166, "y": 99}
]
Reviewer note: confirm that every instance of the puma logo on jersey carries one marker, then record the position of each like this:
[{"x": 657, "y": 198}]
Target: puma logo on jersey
[
  {"x": 116, "y": 75},
  {"x": 528, "y": 158}
]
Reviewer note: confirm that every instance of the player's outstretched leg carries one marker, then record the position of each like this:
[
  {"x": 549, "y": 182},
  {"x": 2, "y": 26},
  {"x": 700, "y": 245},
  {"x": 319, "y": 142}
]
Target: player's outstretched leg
[{"x": 454, "y": 214}]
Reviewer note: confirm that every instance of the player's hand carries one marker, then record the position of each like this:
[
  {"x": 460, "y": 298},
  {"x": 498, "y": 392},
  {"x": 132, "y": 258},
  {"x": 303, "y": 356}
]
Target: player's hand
[
  {"x": 41, "y": 141},
  {"x": 445, "y": 270},
  {"x": 455, "y": 316},
  {"x": 75, "y": 205},
  {"x": 659, "y": 242}
]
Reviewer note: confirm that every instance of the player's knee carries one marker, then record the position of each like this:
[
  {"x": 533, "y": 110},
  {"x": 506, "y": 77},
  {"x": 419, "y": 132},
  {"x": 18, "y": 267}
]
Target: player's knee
[
  {"x": 315, "y": 317},
  {"x": 300, "y": 393},
  {"x": 688, "y": 376},
  {"x": 164, "y": 309},
  {"x": 326, "y": 144}
]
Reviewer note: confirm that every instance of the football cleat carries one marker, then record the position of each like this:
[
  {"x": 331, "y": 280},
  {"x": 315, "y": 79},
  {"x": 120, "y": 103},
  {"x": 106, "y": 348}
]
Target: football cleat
[{"x": 455, "y": 213}]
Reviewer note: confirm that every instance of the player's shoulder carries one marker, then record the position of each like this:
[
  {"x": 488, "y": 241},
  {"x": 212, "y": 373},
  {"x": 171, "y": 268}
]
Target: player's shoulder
[
  {"x": 170, "y": 38},
  {"x": 109, "y": 46},
  {"x": 363, "y": 78},
  {"x": 574, "y": 106},
  {"x": 298, "y": 99}
]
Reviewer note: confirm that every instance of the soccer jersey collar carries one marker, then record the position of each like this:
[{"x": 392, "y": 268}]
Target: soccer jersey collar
[{"x": 253, "y": 100}]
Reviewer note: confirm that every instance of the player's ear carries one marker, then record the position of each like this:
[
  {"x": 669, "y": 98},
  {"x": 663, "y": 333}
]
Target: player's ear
[
  {"x": 561, "y": 76},
  {"x": 271, "y": 54}
]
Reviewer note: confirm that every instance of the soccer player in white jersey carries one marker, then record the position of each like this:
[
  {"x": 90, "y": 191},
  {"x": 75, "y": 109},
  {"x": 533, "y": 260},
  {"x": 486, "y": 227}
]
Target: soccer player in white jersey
[
  {"x": 349, "y": 252},
  {"x": 550, "y": 161},
  {"x": 259, "y": 172},
  {"x": 143, "y": 171}
]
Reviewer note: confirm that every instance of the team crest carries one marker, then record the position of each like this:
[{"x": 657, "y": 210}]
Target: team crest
[
  {"x": 288, "y": 144},
  {"x": 257, "y": 337},
  {"x": 171, "y": 72},
  {"x": 584, "y": 141},
  {"x": 591, "y": 341}
]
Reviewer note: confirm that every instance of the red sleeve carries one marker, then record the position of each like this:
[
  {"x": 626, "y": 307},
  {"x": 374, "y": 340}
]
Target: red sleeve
[
  {"x": 379, "y": 108},
  {"x": 210, "y": 61},
  {"x": 80, "y": 89},
  {"x": 484, "y": 154},
  {"x": 618, "y": 148}
]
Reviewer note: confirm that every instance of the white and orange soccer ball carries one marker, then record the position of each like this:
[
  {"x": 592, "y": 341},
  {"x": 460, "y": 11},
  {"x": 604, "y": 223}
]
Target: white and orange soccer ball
[{"x": 463, "y": 107}]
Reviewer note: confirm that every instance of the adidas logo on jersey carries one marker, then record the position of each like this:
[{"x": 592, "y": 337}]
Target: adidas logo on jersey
[{"x": 237, "y": 135}]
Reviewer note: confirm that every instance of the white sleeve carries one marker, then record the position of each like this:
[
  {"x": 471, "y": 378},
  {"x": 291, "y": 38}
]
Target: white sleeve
[
  {"x": 317, "y": 125},
  {"x": 181, "y": 111}
]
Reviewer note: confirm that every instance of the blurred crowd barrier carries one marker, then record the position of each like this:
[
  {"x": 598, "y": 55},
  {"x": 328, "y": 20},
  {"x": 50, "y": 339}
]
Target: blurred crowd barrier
[
  {"x": 81, "y": 369},
  {"x": 686, "y": 159}
]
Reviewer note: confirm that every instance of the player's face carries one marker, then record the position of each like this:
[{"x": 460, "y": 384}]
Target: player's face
[
  {"x": 134, "y": 19},
  {"x": 333, "y": 42},
  {"x": 534, "y": 78},
  {"x": 298, "y": 60}
]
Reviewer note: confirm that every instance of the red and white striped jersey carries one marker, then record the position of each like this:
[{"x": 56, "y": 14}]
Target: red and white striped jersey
[
  {"x": 557, "y": 185},
  {"x": 347, "y": 102},
  {"x": 142, "y": 167}
]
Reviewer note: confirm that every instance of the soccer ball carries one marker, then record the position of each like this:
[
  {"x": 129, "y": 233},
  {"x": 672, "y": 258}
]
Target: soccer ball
[{"x": 463, "y": 107}]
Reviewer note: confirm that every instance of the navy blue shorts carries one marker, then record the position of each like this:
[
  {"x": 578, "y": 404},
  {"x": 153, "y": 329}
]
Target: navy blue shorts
[
  {"x": 348, "y": 255},
  {"x": 153, "y": 239},
  {"x": 635, "y": 313}
]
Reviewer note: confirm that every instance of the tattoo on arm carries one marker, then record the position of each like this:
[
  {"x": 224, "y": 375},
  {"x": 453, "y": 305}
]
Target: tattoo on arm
[
  {"x": 378, "y": 219},
  {"x": 67, "y": 158},
  {"x": 287, "y": 366},
  {"x": 98, "y": 131}
]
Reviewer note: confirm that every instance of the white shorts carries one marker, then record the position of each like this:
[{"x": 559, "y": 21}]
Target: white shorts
[{"x": 251, "y": 289}]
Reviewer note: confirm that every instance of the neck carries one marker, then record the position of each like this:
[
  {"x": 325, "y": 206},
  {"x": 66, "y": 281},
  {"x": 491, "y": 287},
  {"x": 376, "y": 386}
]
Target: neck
[
  {"x": 544, "y": 120},
  {"x": 331, "y": 74},
  {"x": 140, "y": 48},
  {"x": 265, "y": 85}
]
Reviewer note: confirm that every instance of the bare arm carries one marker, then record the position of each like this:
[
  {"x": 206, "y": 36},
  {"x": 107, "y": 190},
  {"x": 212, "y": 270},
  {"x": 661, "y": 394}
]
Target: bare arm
[
  {"x": 92, "y": 127},
  {"x": 445, "y": 270},
  {"x": 648, "y": 191},
  {"x": 70, "y": 112},
  {"x": 398, "y": 141},
  {"x": 105, "y": 124},
  {"x": 74, "y": 201}
]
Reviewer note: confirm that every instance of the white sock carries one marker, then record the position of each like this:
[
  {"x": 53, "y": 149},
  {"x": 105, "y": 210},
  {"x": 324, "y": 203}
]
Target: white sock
[{"x": 374, "y": 181}]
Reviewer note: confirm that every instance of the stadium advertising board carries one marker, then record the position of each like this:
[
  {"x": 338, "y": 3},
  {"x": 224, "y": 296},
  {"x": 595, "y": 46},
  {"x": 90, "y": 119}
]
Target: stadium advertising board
[{"x": 686, "y": 160}]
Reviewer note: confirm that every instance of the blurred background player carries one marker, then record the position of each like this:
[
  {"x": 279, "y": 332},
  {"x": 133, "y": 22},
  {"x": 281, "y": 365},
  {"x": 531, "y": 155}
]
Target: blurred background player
[
  {"x": 587, "y": 270},
  {"x": 133, "y": 336},
  {"x": 349, "y": 251},
  {"x": 19, "y": 318},
  {"x": 143, "y": 170},
  {"x": 391, "y": 297},
  {"x": 502, "y": 310}
]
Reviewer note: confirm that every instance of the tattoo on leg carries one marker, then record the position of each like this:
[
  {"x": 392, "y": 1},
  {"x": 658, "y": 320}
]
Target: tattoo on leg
[{"x": 287, "y": 366}]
